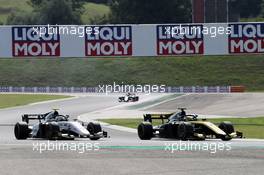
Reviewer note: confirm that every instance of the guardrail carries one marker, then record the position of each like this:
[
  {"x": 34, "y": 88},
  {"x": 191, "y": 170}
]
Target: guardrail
[{"x": 180, "y": 89}]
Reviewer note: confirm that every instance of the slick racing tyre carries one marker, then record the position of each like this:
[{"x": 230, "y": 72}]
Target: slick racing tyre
[
  {"x": 228, "y": 128},
  {"x": 21, "y": 131},
  {"x": 52, "y": 131},
  {"x": 145, "y": 131},
  {"x": 185, "y": 131},
  {"x": 94, "y": 128}
]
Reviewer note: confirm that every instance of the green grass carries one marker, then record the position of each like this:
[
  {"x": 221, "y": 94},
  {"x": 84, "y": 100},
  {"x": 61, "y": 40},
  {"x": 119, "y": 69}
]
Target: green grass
[
  {"x": 171, "y": 71},
  {"x": 12, "y": 100},
  {"x": 251, "y": 127},
  {"x": 257, "y": 19}
]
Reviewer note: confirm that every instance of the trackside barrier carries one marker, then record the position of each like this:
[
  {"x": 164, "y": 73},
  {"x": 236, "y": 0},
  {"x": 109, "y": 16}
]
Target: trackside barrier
[
  {"x": 192, "y": 89},
  {"x": 238, "y": 89},
  {"x": 131, "y": 40}
]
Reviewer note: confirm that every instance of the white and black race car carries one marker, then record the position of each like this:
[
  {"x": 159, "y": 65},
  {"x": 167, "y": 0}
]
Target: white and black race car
[
  {"x": 129, "y": 97},
  {"x": 54, "y": 126}
]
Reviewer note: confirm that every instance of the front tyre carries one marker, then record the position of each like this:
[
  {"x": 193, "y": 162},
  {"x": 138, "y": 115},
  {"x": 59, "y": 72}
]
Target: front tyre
[
  {"x": 21, "y": 131},
  {"x": 226, "y": 138},
  {"x": 227, "y": 127},
  {"x": 94, "y": 128},
  {"x": 145, "y": 131}
]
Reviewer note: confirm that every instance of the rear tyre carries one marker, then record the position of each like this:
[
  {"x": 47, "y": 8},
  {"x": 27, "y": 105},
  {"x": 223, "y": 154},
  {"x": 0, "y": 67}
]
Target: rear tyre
[
  {"x": 94, "y": 128},
  {"x": 21, "y": 131},
  {"x": 185, "y": 131},
  {"x": 145, "y": 131}
]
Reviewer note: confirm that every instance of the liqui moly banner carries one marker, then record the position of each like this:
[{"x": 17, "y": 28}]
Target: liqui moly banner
[
  {"x": 246, "y": 38},
  {"x": 28, "y": 42},
  {"x": 109, "y": 41},
  {"x": 180, "y": 40},
  {"x": 131, "y": 40}
]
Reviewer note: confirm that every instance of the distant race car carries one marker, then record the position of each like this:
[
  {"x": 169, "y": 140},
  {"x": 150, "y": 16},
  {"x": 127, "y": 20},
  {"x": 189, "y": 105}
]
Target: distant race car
[
  {"x": 53, "y": 126},
  {"x": 185, "y": 127},
  {"x": 129, "y": 98}
]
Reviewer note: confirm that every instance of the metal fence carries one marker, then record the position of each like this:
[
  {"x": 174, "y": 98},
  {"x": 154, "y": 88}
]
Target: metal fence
[{"x": 180, "y": 89}]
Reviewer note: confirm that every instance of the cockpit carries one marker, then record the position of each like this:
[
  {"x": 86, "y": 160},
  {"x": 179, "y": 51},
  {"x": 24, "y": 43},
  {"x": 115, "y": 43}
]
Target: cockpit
[
  {"x": 176, "y": 117},
  {"x": 181, "y": 116},
  {"x": 55, "y": 116}
]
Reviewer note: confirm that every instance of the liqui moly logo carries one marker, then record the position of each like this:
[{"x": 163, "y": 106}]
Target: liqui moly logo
[
  {"x": 28, "y": 42},
  {"x": 246, "y": 38},
  {"x": 109, "y": 41},
  {"x": 179, "y": 40}
]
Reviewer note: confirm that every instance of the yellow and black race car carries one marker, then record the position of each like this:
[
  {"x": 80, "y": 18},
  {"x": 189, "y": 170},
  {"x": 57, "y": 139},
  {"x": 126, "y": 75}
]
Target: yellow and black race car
[{"x": 185, "y": 127}]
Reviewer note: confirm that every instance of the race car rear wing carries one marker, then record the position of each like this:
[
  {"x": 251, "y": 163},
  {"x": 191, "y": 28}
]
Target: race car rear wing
[
  {"x": 150, "y": 117},
  {"x": 27, "y": 117}
]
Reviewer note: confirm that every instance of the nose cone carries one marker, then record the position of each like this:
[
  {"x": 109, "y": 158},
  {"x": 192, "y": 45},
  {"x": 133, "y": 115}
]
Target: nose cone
[{"x": 78, "y": 128}]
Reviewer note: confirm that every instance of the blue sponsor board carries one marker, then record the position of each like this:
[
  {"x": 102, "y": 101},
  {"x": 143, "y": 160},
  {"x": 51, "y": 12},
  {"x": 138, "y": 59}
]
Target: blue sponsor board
[
  {"x": 42, "y": 89},
  {"x": 54, "y": 89},
  {"x": 91, "y": 90},
  {"x": 199, "y": 89},
  {"x": 224, "y": 89},
  {"x": 212, "y": 89},
  {"x": 29, "y": 89},
  {"x": 16, "y": 89},
  {"x": 4, "y": 89},
  {"x": 66, "y": 89}
]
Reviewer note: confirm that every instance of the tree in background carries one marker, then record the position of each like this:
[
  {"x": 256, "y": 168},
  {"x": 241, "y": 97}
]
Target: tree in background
[
  {"x": 246, "y": 8},
  {"x": 21, "y": 18},
  {"x": 50, "y": 12},
  {"x": 123, "y": 11},
  {"x": 58, "y": 12},
  {"x": 146, "y": 12},
  {"x": 75, "y": 4}
]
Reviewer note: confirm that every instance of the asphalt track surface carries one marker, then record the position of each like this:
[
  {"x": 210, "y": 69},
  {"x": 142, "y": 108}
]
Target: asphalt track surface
[
  {"x": 122, "y": 153},
  {"x": 242, "y": 105}
]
